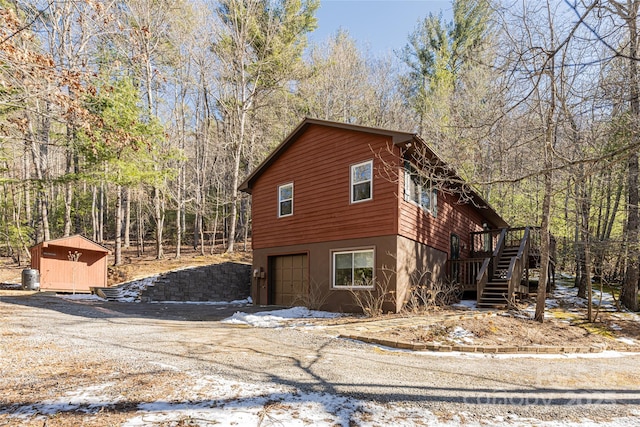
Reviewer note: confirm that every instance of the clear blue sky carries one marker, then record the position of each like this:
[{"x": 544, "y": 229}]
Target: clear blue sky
[{"x": 380, "y": 25}]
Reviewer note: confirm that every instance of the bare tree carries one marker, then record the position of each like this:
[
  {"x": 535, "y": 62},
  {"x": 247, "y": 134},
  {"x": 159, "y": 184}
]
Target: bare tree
[{"x": 260, "y": 42}]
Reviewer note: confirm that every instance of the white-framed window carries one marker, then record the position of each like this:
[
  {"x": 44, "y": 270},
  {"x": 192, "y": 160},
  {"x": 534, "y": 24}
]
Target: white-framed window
[
  {"x": 418, "y": 189},
  {"x": 285, "y": 200},
  {"x": 362, "y": 181},
  {"x": 353, "y": 268}
]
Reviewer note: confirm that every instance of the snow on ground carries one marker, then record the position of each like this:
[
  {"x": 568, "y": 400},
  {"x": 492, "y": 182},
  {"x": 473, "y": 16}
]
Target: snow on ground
[
  {"x": 461, "y": 336},
  {"x": 212, "y": 400},
  {"x": 89, "y": 399},
  {"x": 130, "y": 292},
  {"x": 567, "y": 295},
  {"x": 277, "y": 318},
  {"x": 245, "y": 301},
  {"x": 215, "y": 401},
  {"x": 80, "y": 297},
  {"x": 466, "y": 304},
  {"x": 561, "y": 295}
]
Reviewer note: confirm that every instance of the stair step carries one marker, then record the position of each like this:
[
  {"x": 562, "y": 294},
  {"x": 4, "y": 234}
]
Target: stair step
[
  {"x": 490, "y": 305},
  {"x": 494, "y": 301},
  {"x": 495, "y": 293}
]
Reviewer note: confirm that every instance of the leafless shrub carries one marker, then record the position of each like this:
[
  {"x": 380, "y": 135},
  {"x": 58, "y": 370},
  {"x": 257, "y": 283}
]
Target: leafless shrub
[
  {"x": 315, "y": 298},
  {"x": 372, "y": 300},
  {"x": 517, "y": 309},
  {"x": 426, "y": 293}
]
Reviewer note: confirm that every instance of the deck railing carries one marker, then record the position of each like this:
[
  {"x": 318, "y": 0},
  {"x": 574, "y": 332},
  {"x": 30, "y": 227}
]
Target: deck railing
[
  {"x": 486, "y": 249},
  {"x": 465, "y": 272},
  {"x": 517, "y": 265},
  {"x": 484, "y": 242}
]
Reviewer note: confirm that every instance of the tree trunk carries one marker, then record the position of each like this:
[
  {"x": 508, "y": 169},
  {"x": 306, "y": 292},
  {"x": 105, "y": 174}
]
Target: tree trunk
[
  {"x": 545, "y": 237},
  {"x": 39, "y": 151},
  {"x": 140, "y": 226},
  {"x": 101, "y": 209},
  {"x": 94, "y": 212},
  {"x": 117, "y": 253},
  {"x": 158, "y": 207},
  {"x": 234, "y": 199},
  {"x": 584, "y": 208},
  {"x": 629, "y": 295},
  {"x": 68, "y": 195},
  {"x": 68, "y": 201},
  {"x": 544, "y": 247},
  {"x": 127, "y": 217},
  {"x": 179, "y": 215}
]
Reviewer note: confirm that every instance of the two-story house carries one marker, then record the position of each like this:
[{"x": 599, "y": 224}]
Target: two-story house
[{"x": 337, "y": 207}]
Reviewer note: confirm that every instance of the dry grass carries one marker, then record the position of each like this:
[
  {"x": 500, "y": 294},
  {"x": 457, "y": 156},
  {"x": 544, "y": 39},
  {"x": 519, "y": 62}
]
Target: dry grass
[{"x": 498, "y": 330}]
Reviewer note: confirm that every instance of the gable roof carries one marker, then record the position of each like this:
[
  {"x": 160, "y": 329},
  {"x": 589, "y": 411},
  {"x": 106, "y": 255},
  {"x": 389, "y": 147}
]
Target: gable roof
[
  {"x": 75, "y": 242},
  {"x": 397, "y": 137}
]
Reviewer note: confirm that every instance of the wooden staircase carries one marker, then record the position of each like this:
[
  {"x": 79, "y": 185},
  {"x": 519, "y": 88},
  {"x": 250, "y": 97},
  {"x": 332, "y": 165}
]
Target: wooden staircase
[
  {"x": 499, "y": 264},
  {"x": 495, "y": 293},
  {"x": 501, "y": 276}
]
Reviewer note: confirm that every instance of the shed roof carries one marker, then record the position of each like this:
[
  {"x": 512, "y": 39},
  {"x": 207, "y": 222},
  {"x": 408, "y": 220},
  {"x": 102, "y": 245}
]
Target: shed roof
[
  {"x": 75, "y": 242},
  {"x": 397, "y": 137}
]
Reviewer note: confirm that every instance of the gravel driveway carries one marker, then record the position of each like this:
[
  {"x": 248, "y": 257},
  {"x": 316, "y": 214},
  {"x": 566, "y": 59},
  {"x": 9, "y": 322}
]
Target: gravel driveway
[{"x": 143, "y": 353}]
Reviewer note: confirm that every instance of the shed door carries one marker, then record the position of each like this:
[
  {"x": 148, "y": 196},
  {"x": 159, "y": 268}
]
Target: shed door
[{"x": 289, "y": 279}]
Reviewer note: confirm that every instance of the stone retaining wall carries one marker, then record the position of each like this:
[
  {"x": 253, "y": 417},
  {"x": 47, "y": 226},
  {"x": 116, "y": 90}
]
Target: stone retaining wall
[
  {"x": 228, "y": 281},
  {"x": 491, "y": 349}
]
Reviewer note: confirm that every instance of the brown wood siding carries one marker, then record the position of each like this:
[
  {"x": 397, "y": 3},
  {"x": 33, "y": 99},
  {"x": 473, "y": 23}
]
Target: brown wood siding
[
  {"x": 58, "y": 273},
  {"x": 318, "y": 164},
  {"x": 452, "y": 217}
]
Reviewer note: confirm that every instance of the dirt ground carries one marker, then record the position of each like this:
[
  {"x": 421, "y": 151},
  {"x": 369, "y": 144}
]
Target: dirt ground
[
  {"x": 448, "y": 326},
  {"x": 95, "y": 363},
  {"x": 502, "y": 329}
]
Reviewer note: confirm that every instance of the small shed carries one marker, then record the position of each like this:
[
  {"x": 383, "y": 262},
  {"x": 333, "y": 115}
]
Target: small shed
[{"x": 70, "y": 264}]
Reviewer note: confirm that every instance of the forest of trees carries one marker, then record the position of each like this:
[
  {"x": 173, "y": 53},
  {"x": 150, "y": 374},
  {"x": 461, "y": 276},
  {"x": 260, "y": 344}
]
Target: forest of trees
[{"x": 134, "y": 121}]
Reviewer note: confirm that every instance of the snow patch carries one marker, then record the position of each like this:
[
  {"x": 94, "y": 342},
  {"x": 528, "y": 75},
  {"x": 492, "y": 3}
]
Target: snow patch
[
  {"x": 277, "y": 318},
  {"x": 90, "y": 399},
  {"x": 235, "y": 302},
  {"x": 628, "y": 341},
  {"x": 466, "y": 304},
  {"x": 461, "y": 335},
  {"x": 80, "y": 297},
  {"x": 130, "y": 291}
]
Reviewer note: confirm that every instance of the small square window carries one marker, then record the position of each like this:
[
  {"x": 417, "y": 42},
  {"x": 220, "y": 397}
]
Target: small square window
[
  {"x": 285, "y": 200},
  {"x": 362, "y": 182}
]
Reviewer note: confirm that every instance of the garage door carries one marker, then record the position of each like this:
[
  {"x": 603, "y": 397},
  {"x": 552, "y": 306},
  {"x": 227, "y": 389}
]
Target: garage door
[{"x": 289, "y": 279}]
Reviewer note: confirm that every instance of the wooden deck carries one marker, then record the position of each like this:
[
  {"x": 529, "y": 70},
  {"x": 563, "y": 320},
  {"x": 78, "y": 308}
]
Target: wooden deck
[{"x": 500, "y": 264}]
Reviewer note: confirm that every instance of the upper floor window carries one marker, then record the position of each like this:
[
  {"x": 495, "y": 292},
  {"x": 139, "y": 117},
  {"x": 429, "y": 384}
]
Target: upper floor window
[
  {"x": 285, "y": 200},
  {"x": 418, "y": 189},
  {"x": 362, "y": 181}
]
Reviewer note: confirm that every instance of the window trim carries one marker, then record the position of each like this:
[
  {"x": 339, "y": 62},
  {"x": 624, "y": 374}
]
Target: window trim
[
  {"x": 335, "y": 252},
  {"x": 409, "y": 171},
  {"x": 280, "y": 201},
  {"x": 352, "y": 183}
]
